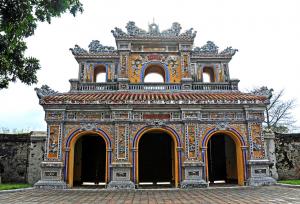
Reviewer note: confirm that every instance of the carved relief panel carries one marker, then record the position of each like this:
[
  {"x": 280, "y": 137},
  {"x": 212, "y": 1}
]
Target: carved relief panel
[
  {"x": 256, "y": 141},
  {"x": 123, "y": 66},
  {"x": 191, "y": 141},
  {"x": 54, "y": 116},
  {"x": 122, "y": 142},
  {"x": 256, "y": 115},
  {"x": 53, "y": 141},
  {"x": 220, "y": 73},
  {"x": 185, "y": 61}
]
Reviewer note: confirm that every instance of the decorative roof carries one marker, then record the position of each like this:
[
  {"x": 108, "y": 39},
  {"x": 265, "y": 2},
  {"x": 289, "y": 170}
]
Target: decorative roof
[
  {"x": 210, "y": 49},
  {"x": 94, "y": 48},
  {"x": 153, "y": 32},
  {"x": 263, "y": 91},
  {"x": 154, "y": 98},
  {"x": 45, "y": 90}
]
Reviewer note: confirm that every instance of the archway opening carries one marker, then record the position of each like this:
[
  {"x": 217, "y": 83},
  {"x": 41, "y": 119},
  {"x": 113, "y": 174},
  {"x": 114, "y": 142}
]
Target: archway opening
[
  {"x": 156, "y": 160},
  {"x": 89, "y": 161},
  {"x": 222, "y": 160},
  {"x": 100, "y": 74},
  {"x": 154, "y": 74}
]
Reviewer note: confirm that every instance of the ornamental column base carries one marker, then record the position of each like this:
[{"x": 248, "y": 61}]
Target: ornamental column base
[
  {"x": 51, "y": 176},
  {"x": 260, "y": 173},
  {"x": 193, "y": 175},
  {"x": 121, "y": 177}
]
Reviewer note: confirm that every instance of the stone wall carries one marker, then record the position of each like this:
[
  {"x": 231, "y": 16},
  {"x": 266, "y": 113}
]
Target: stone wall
[
  {"x": 20, "y": 157},
  {"x": 36, "y": 156},
  {"x": 288, "y": 155}
]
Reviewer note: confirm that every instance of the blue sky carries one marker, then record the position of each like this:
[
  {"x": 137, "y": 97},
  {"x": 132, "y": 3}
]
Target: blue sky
[{"x": 265, "y": 32}]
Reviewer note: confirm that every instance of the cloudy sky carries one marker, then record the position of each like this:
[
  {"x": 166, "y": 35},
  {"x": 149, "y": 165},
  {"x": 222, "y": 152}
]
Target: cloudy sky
[{"x": 266, "y": 32}]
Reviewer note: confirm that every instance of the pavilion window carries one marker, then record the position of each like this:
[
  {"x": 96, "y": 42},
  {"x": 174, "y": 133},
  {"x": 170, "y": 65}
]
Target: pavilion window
[
  {"x": 208, "y": 75},
  {"x": 100, "y": 74}
]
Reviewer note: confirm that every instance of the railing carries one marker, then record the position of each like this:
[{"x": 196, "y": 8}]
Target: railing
[
  {"x": 154, "y": 86},
  {"x": 90, "y": 86},
  {"x": 214, "y": 86},
  {"x": 98, "y": 87},
  {"x": 112, "y": 86}
]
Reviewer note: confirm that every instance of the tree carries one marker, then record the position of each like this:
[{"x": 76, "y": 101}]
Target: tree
[
  {"x": 18, "y": 20},
  {"x": 278, "y": 114}
]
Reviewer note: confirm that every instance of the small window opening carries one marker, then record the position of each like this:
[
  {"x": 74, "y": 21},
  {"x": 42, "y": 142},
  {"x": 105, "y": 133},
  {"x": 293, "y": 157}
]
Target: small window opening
[
  {"x": 208, "y": 75},
  {"x": 100, "y": 74}
]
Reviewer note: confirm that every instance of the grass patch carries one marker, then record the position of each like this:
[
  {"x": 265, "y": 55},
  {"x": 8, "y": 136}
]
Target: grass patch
[
  {"x": 293, "y": 182},
  {"x": 9, "y": 186}
]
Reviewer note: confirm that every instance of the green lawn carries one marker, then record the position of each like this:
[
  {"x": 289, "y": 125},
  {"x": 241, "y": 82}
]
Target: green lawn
[
  {"x": 9, "y": 186},
  {"x": 293, "y": 182}
]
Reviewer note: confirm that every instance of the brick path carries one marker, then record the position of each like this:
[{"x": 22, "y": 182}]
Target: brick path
[{"x": 270, "y": 194}]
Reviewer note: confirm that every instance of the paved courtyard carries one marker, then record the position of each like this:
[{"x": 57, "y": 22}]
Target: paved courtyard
[{"x": 270, "y": 194}]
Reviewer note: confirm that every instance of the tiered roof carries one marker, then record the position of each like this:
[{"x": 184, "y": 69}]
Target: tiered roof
[{"x": 123, "y": 97}]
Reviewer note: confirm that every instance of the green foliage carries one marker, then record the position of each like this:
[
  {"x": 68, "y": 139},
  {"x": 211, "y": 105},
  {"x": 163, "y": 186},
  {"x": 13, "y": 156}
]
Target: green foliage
[
  {"x": 18, "y": 20},
  {"x": 9, "y": 186},
  {"x": 293, "y": 182}
]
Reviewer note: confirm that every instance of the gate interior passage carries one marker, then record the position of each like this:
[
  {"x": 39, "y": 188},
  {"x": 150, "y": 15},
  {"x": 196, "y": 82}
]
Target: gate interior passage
[
  {"x": 90, "y": 161},
  {"x": 156, "y": 159},
  {"x": 222, "y": 165}
]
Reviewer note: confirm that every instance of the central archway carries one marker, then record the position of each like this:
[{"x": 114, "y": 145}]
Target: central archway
[
  {"x": 148, "y": 144},
  {"x": 156, "y": 159},
  {"x": 154, "y": 73},
  {"x": 156, "y": 68}
]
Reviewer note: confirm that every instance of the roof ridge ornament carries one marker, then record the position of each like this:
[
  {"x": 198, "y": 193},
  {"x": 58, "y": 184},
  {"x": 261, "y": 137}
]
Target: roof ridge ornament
[
  {"x": 45, "y": 90},
  {"x": 208, "y": 48},
  {"x": 134, "y": 31},
  {"x": 174, "y": 30},
  {"x": 263, "y": 91},
  {"x": 229, "y": 51},
  {"x": 211, "y": 49},
  {"x": 96, "y": 47},
  {"x": 77, "y": 50}
]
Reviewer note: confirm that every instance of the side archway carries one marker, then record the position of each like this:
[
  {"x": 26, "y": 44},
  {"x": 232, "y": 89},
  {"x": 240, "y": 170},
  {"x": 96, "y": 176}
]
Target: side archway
[
  {"x": 240, "y": 151},
  {"x": 70, "y": 150},
  {"x": 176, "y": 150}
]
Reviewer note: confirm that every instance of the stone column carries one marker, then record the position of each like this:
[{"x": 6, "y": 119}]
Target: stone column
[{"x": 270, "y": 152}]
